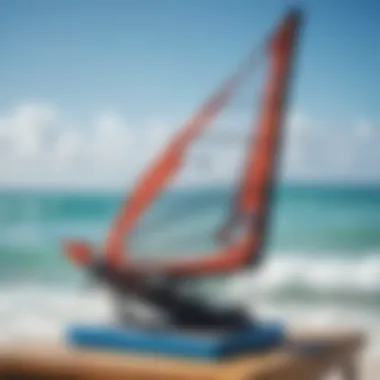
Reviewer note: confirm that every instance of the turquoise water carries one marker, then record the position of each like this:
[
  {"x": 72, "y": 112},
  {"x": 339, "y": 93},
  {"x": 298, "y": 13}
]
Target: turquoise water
[
  {"x": 307, "y": 223},
  {"x": 343, "y": 219},
  {"x": 322, "y": 263}
]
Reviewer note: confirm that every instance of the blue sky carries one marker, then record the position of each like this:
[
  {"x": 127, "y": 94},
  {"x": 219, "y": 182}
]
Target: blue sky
[{"x": 141, "y": 61}]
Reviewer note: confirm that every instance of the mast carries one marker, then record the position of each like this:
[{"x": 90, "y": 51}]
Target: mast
[{"x": 254, "y": 196}]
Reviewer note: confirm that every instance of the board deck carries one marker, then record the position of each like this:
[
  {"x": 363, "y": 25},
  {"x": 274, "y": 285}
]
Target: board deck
[{"x": 207, "y": 346}]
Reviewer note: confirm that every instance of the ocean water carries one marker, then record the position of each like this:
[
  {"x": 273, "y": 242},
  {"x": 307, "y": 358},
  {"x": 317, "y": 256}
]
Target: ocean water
[{"x": 322, "y": 261}]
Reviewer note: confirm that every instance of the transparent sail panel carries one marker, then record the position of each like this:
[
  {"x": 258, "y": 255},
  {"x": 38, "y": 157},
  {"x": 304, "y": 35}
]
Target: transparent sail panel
[{"x": 185, "y": 220}]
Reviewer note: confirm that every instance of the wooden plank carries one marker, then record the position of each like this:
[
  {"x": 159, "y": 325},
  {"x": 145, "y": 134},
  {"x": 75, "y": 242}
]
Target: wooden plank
[{"x": 60, "y": 362}]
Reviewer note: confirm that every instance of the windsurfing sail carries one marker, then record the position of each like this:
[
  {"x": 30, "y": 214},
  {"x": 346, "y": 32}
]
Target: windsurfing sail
[{"x": 162, "y": 206}]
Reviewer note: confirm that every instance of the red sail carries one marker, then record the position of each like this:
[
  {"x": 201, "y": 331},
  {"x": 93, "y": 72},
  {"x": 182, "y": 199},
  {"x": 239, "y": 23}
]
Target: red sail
[{"x": 253, "y": 197}]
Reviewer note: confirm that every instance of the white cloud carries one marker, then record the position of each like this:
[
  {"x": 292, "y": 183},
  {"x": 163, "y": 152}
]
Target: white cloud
[
  {"x": 68, "y": 147},
  {"x": 318, "y": 151},
  {"x": 27, "y": 130},
  {"x": 38, "y": 148}
]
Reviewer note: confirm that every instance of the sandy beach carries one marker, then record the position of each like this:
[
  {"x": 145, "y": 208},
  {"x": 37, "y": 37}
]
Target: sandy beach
[{"x": 55, "y": 356}]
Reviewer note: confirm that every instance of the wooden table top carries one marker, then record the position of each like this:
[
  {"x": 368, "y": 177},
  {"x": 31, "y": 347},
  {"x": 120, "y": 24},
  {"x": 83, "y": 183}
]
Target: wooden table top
[{"x": 61, "y": 362}]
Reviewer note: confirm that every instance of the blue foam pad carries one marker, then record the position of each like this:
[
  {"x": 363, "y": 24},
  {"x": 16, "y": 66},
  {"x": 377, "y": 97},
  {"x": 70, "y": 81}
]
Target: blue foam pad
[{"x": 173, "y": 343}]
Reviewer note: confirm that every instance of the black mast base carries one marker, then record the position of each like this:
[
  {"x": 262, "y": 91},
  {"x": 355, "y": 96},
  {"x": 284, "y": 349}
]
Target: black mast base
[{"x": 167, "y": 306}]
